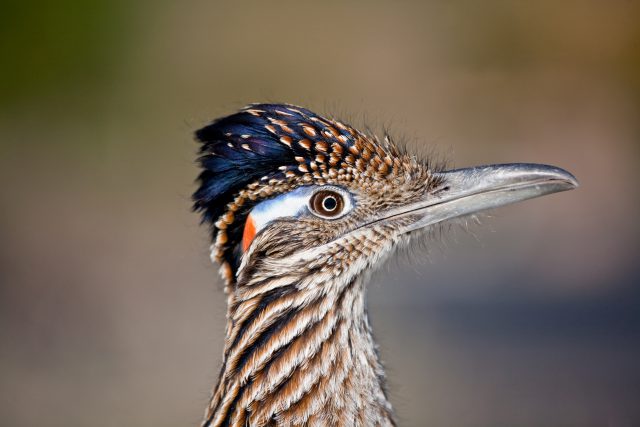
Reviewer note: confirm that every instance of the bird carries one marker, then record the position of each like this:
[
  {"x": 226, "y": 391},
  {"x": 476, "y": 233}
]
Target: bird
[{"x": 301, "y": 210}]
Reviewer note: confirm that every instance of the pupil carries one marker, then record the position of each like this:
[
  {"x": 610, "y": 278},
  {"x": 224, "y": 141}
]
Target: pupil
[{"x": 329, "y": 203}]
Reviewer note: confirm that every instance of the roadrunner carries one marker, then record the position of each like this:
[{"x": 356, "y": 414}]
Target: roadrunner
[{"x": 302, "y": 208}]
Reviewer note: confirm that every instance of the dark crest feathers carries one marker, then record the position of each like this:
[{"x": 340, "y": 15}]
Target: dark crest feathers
[{"x": 236, "y": 150}]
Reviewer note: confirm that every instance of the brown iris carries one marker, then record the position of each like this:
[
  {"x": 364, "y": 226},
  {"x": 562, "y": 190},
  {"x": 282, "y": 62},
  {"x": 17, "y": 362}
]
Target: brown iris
[{"x": 327, "y": 203}]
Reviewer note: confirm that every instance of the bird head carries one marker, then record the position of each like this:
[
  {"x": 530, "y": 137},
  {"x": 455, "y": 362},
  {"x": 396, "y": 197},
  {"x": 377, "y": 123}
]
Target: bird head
[{"x": 287, "y": 191}]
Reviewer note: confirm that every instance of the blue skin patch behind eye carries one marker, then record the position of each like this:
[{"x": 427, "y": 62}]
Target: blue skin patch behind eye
[{"x": 291, "y": 204}]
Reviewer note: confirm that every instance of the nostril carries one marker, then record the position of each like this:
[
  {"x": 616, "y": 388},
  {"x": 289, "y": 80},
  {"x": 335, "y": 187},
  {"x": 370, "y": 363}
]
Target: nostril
[{"x": 441, "y": 190}]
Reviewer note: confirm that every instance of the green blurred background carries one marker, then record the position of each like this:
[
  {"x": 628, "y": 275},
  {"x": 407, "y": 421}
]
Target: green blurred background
[{"x": 110, "y": 312}]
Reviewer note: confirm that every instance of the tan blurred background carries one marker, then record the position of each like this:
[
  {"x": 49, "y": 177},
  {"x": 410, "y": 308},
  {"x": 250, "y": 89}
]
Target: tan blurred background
[{"x": 110, "y": 312}]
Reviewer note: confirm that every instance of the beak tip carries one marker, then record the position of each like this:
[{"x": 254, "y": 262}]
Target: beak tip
[
  {"x": 559, "y": 178},
  {"x": 567, "y": 178}
]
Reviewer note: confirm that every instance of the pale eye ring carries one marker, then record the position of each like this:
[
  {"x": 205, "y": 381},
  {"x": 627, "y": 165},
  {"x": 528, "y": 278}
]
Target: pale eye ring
[{"x": 328, "y": 203}]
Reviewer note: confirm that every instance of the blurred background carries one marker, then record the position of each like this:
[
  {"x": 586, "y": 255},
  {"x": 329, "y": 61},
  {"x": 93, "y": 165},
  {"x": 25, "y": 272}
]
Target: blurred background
[{"x": 110, "y": 311}]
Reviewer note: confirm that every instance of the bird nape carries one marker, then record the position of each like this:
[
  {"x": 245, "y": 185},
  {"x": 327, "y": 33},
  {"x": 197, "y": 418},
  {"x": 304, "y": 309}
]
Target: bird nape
[{"x": 302, "y": 208}]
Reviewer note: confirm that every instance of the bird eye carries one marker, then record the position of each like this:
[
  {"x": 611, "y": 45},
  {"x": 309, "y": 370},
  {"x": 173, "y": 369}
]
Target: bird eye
[{"x": 327, "y": 204}]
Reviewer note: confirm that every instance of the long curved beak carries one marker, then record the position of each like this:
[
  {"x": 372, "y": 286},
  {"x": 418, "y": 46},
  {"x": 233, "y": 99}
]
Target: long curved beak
[{"x": 465, "y": 191}]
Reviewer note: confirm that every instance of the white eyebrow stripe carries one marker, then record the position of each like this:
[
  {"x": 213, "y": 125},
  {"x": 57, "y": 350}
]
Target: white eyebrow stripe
[{"x": 290, "y": 204}]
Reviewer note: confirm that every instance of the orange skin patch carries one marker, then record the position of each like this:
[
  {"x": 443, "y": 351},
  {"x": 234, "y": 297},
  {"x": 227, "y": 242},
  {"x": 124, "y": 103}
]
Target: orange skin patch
[{"x": 249, "y": 233}]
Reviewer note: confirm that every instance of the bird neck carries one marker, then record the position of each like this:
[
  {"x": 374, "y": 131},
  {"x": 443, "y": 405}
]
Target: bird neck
[{"x": 296, "y": 356}]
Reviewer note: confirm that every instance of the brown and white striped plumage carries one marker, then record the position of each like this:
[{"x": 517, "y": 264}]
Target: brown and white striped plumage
[{"x": 299, "y": 348}]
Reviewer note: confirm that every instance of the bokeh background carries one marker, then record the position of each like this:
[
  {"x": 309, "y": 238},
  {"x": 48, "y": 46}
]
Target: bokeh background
[{"x": 110, "y": 312}]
